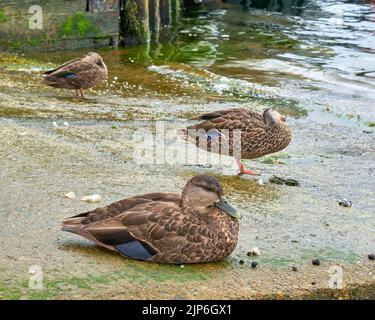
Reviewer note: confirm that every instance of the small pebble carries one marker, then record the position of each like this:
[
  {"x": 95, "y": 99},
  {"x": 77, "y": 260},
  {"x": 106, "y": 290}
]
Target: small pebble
[
  {"x": 345, "y": 203},
  {"x": 254, "y": 252},
  {"x": 254, "y": 264},
  {"x": 313, "y": 283},
  {"x": 242, "y": 262},
  {"x": 292, "y": 182},
  {"x": 316, "y": 262},
  {"x": 66, "y": 123},
  {"x": 281, "y": 181},
  {"x": 294, "y": 268},
  {"x": 260, "y": 182},
  {"x": 70, "y": 195},
  {"x": 92, "y": 198},
  {"x": 182, "y": 266},
  {"x": 55, "y": 124},
  {"x": 371, "y": 257}
]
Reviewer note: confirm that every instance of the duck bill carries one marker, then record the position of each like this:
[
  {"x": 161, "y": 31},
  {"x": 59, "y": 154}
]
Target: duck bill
[{"x": 227, "y": 208}]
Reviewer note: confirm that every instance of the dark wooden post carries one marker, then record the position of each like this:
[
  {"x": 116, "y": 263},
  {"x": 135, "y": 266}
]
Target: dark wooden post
[
  {"x": 176, "y": 7},
  {"x": 143, "y": 14},
  {"x": 165, "y": 12},
  {"x": 154, "y": 14}
]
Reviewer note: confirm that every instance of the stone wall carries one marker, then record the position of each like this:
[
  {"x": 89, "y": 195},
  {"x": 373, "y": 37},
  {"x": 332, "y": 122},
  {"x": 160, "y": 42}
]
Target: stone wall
[
  {"x": 58, "y": 24},
  {"x": 32, "y": 25}
]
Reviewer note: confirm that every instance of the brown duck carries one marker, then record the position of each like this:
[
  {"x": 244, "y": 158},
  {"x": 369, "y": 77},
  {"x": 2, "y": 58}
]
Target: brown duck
[
  {"x": 196, "y": 226},
  {"x": 241, "y": 133},
  {"x": 78, "y": 74}
]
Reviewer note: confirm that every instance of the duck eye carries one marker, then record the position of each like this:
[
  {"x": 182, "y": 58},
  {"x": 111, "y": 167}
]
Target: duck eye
[{"x": 208, "y": 190}]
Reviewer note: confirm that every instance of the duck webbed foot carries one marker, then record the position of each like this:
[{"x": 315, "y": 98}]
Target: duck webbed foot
[
  {"x": 80, "y": 93},
  {"x": 242, "y": 170}
]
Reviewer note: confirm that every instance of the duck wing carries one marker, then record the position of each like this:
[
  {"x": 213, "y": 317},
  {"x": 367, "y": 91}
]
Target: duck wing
[
  {"x": 113, "y": 226},
  {"x": 219, "y": 129},
  {"x": 72, "y": 75},
  {"x": 159, "y": 232},
  {"x": 230, "y": 119},
  {"x": 144, "y": 229},
  {"x": 71, "y": 62},
  {"x": 120, "y": 207}
]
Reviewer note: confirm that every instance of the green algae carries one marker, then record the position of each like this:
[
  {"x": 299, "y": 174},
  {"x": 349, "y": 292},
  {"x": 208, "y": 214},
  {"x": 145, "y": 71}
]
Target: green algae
[
  {"x": 16, "y": 62},
  {"x": 326, "y": 255},
  {"x": 3, "y": 16},
  {"x": 277, "y": 158},
  {"x": 329, "y": 255},
  {"x": 10, "y": 292},
  {"x": 133, "y": 271},
  {"x": 79, "y": 25}
]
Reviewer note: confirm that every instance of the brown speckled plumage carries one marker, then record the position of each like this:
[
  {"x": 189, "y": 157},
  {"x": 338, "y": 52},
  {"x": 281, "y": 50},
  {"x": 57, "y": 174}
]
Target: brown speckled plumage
[
  {"x": 78, "y": 74},
  {"x": 171, "y": 228},
  {"x": 259, "y": 135}
]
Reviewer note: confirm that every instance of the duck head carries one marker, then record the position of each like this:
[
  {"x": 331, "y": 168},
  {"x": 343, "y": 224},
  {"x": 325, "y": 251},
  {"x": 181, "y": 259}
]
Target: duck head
[
  {"x": 96, "y": 58},
  {"x": 272, "y": 117},
  {"x": 206, "y": 191}
]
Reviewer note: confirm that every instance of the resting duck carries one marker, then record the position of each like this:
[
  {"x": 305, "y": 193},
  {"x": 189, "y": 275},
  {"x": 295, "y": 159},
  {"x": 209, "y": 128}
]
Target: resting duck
[
  {"x": 78, "y": 74},
  {"x": 196, "y": 226},
  {"x": 241, "y": 133}
]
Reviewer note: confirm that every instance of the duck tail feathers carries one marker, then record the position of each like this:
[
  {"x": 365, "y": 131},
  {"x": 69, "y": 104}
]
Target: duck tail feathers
[{"x": 72, "y": 225}]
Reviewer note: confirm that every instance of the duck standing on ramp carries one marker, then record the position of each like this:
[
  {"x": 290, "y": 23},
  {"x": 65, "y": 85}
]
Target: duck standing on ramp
[
  {"x": 259, "y": 134},
  {"x": 78, "y": 74}
]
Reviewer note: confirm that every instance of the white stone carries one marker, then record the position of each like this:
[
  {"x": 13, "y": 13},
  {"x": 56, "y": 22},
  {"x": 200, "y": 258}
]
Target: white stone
[
  {"x": 255, "y": 251},
  {"x": 94, "y": 198},
  {"x": 70, "y": 195}
]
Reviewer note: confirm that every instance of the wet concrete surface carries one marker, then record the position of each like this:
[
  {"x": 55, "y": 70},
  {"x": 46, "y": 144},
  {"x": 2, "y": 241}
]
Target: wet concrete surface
[{"x": 40, "y": 162}]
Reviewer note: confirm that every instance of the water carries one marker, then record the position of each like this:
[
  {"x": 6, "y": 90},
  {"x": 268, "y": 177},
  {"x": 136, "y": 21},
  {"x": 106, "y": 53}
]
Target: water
[
  {"x": 318, "y": 52},
  {"x": 311, "y": 60}
]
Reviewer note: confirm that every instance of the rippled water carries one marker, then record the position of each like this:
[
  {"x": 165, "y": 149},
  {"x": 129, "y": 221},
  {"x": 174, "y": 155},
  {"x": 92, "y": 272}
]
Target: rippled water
[{"x": 319, "y": 52}]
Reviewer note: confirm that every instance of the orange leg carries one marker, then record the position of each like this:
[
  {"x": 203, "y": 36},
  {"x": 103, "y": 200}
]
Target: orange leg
[
  {"x": 243, "y": 170},
  {"x": 82, "y": 93}
]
